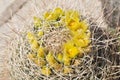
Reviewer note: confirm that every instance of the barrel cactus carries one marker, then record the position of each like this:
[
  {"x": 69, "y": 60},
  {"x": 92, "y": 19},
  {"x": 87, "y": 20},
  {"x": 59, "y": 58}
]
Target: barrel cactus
[{"x": 63, "y": 44}]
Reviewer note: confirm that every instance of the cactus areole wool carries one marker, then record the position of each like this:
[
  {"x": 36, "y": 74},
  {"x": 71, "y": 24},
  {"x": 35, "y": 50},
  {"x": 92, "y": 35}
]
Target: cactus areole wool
[{"x": 57, "y": 40}]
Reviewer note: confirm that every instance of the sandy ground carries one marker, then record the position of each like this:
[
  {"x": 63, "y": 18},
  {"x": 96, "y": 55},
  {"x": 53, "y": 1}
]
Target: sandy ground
[
  {"x": 4, "y": 4},
  {"x": 27, "y": 12}
]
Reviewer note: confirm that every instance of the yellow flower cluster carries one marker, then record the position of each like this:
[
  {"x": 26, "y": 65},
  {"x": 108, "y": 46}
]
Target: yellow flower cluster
[
  {"x": 53, "y": 16},
  {"x": 39, "y": 58},
  {"x": 75, "y": 47}
]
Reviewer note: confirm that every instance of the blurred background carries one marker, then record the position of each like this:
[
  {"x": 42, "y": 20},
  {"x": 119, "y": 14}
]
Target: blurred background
[{"x": 4, "y": 4}]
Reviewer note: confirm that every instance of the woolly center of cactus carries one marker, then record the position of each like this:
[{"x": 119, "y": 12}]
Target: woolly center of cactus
[{"x": 55, "y": 40}]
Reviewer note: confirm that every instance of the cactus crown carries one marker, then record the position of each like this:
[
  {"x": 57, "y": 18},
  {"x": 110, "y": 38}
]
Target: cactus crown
[{"x": 58, "y": 40}]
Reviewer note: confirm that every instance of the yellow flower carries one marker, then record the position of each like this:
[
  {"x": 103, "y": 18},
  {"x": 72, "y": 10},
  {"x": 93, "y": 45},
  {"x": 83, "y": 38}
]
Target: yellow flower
[
  {"x": 58, "y": 11},
  {"x": 81, "y": 42},
  {"x": 83, "y": 26},
  {"x": 78, "y": 42},
  {"x": 72, "y": 20},
  {"x": 46, "y": 71},
  {"x": 32, "y": 40},
  {"x": 68, "y": 44},
  {"x": 73, "y": 52},
  {"x": 30, "y": 36},
  {"x": 40, "y": 52},
  {"x": 71, "y": 49},
  {"x": 46, "y": 15},
  {"x": 60, "y": 57},
  {"x": 54, "y": 15},
  {"x": 34, "y": 45},
  {"x": 73, "y": 25},
  {"x": 51, "y": 60},
  {"x": 39, "y": 62},
  {"x": 37, "y": 22},
  {"x": 79, "y": 34},
  {"x": 40, "y": 33},
  {"x": 66, "y": 59}
]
